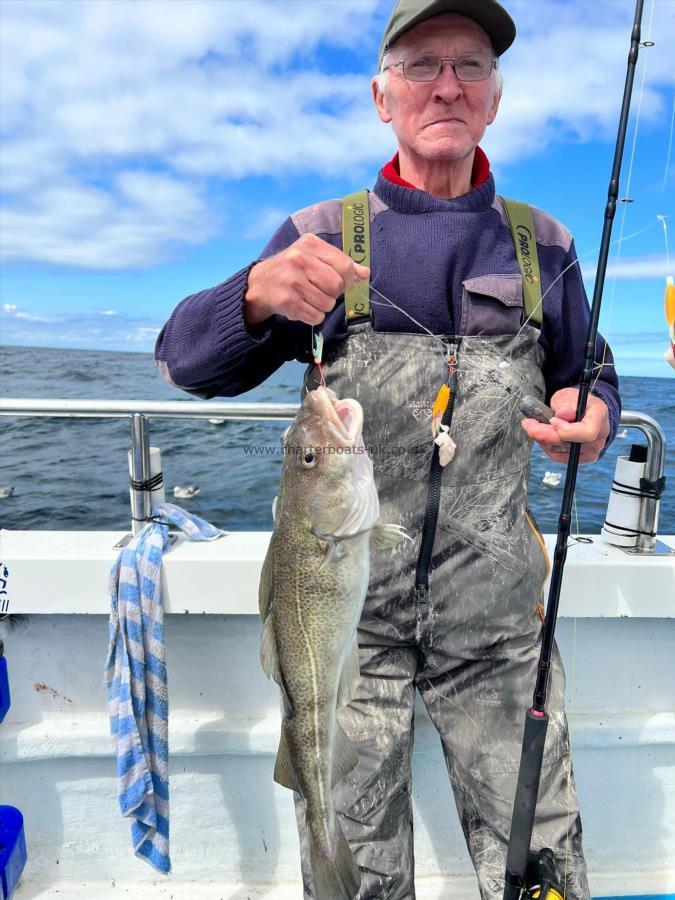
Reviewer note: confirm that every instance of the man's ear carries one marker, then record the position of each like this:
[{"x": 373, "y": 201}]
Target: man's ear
[
  {"x": 380, "y": 101},
  {"x": 492, "y": 113}
]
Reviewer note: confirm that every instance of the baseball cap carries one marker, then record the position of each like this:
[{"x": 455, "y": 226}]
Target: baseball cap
[{"x": 489, "y": 14}]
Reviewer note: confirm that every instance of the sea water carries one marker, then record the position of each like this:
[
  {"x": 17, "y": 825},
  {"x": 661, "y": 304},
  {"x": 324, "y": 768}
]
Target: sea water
[{"x": 71, "y": 474}]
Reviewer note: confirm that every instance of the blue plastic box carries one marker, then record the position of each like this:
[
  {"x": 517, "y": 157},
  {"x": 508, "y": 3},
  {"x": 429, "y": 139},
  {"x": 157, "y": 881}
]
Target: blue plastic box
[
  {"x": 12, "y": 849},
  {"x": 4, "y": 686}
]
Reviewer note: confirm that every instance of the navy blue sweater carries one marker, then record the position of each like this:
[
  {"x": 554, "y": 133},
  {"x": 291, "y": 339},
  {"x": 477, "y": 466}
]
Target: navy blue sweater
[{"x": 423, "y": 249}]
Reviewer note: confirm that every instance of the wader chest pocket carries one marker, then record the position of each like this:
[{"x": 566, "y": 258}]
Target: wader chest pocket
[{"x": 492, "y": 304}]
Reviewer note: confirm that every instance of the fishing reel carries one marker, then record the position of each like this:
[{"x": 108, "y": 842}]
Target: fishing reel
[{"x": 542, "y": 879}]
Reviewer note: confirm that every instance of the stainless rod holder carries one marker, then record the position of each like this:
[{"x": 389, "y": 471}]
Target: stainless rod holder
[{"x": 656, "y": 454}]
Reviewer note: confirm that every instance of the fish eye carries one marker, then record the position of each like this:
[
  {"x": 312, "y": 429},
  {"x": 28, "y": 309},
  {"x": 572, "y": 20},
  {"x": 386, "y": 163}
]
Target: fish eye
[{"x": 308, "y": 459}]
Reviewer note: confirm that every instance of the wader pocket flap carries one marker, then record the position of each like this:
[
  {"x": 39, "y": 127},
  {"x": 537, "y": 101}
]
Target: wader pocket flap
[
  {"x": 507, "y": 288},
  {"x": 492, "y": 304}
]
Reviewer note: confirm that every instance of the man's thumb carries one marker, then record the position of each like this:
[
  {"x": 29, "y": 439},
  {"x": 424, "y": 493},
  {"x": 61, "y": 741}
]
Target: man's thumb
[{"x": 361, "y": 272}]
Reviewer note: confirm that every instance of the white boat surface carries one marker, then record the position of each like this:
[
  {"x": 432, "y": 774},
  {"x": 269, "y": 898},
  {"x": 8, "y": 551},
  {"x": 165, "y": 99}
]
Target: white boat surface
[{"x": 233, "y": 829}]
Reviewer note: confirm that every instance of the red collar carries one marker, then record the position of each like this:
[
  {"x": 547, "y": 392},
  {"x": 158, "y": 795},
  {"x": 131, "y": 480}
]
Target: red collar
[{"x": 479, "y": 173}]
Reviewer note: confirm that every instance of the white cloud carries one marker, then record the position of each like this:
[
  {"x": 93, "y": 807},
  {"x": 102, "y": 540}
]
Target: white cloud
[
  {"x": 652, "y": 266},
  {"x": 104, "y": 329},
  {"x": 12, "y": 311},
  {"x": 564, "y": 79},
  {"x": 120, "y": 116},
  {"x": 139, "y": 219}
]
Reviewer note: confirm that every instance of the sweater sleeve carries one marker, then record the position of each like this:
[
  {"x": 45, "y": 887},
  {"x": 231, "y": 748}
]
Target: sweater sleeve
[
  {"x": 565, "y": 328},
  {"x": 206, "y": 348}
]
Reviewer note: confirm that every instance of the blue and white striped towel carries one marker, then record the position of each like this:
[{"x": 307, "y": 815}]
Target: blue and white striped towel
[{"x": 136, "y": 680}]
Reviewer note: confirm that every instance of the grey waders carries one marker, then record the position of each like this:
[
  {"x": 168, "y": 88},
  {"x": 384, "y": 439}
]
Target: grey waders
[{"x": 455, "y": 613}]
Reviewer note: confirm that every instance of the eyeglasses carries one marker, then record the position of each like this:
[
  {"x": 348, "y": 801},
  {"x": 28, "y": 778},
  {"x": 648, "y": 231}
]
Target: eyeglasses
[{"x": 468, "y": 67}]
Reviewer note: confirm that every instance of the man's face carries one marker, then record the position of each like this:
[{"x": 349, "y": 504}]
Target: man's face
[{"x": 446, "y": 118}]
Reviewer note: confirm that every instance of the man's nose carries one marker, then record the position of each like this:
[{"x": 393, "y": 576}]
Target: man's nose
[{"x": 447, "y": 85}]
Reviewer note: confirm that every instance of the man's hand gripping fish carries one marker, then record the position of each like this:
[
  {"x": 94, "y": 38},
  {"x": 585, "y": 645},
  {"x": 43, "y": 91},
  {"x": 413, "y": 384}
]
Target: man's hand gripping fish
[{"x": 313, "y": 586}]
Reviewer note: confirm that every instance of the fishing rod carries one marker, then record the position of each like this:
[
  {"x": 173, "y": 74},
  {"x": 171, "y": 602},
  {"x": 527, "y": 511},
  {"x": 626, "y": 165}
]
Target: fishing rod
[{"x": 527, "y": 874}]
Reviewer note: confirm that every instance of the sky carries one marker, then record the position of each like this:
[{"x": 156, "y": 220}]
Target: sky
[{"x": 151, "y": 148}]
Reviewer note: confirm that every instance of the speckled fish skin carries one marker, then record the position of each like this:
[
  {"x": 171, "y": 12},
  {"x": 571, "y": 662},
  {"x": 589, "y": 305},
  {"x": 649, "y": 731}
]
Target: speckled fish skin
[{"x": 313, "y": 586}]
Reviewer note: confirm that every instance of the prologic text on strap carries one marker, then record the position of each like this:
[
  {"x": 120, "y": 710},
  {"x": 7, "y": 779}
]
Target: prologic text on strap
[
  {"x": 356, "y": 243},
  {"x": 519, "y": 216}
]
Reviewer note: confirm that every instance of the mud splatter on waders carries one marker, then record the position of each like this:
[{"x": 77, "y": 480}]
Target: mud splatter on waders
[{"x": 454, "y": 613}]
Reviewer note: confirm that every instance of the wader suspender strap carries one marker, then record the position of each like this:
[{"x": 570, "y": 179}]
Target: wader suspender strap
[
  {"x": 356, "y": 243},
  {"x": 522, "y": 230}
]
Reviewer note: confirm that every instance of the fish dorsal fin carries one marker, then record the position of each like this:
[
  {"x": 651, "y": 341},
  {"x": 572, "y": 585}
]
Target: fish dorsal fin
[{"x": 349, "y": 677}]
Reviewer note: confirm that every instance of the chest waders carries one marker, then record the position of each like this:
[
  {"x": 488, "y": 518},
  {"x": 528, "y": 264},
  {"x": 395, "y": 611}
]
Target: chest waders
[{"x": 453, "y": 613}]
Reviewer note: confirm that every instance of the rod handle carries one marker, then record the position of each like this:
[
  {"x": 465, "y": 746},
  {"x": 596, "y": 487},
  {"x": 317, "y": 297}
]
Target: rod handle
[{"x": 525, "y": 803}]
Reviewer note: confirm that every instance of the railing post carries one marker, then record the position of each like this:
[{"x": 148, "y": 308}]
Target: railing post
[{"x": 141, "y": 500}]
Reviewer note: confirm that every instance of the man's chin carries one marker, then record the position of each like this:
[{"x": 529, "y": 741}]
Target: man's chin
[{"x": 445, "y": 150}]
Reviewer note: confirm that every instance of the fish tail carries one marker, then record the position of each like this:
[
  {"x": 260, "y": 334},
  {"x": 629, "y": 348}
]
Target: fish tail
[{"x": 336, "y": 875}]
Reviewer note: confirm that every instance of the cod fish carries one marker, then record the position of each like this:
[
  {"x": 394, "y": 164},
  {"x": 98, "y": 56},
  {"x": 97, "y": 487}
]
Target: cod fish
[{"x": 313, "y": 586}]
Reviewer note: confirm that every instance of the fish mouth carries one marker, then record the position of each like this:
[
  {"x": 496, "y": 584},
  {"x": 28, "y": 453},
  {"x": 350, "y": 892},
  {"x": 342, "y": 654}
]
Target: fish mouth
[{"x": 343, "y": 418}]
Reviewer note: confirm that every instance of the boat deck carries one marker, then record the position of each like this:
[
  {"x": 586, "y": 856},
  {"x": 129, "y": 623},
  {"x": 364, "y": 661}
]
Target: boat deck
[{"x": 233, "y": 830}]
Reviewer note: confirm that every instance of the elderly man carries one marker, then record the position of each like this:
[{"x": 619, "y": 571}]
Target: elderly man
[{"x": 457, "y": 614}]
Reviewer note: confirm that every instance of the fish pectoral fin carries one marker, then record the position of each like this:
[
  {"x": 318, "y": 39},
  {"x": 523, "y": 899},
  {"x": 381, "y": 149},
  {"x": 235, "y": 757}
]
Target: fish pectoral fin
[
  {"x": 334, "y": 543},
  {"x": 345, "y": 757},
  {"x": 323, "y": 565},
  {"x": 384, "y": 537},
  {"x": 284, "y": 774},
  {"x": 349, "y": 677},
  {"x": 333, "y": 551},
  {"x": 266, "y": 588}
]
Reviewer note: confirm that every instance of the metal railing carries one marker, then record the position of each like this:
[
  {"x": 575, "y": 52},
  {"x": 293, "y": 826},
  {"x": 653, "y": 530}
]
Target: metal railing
[{"x": 139, "y": 412}]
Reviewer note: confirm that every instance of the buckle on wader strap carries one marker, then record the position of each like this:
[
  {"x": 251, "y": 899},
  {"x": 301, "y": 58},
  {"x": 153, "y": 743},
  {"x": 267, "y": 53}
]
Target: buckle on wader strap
[
  {"x": 356, "y": 243},
  {"x": 519, "y": 216}
]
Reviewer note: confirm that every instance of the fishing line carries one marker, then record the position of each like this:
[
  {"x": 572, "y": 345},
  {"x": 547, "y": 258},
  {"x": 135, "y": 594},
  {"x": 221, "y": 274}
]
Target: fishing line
[
  {"x": 670, "y": 147},
  {"x": 316, "y": 341},
  {"x": 389, "y": 302},
  {"x": 443, "y": 347},
  {"x": 663, "y": 221},
  {"x": 626, "y": 201},
  {"x": 577, "y": 262},
  {"x": 573, "y": 691},
  {"x": 621, "y": 238},
  {"x": 536, "y": 719}
]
